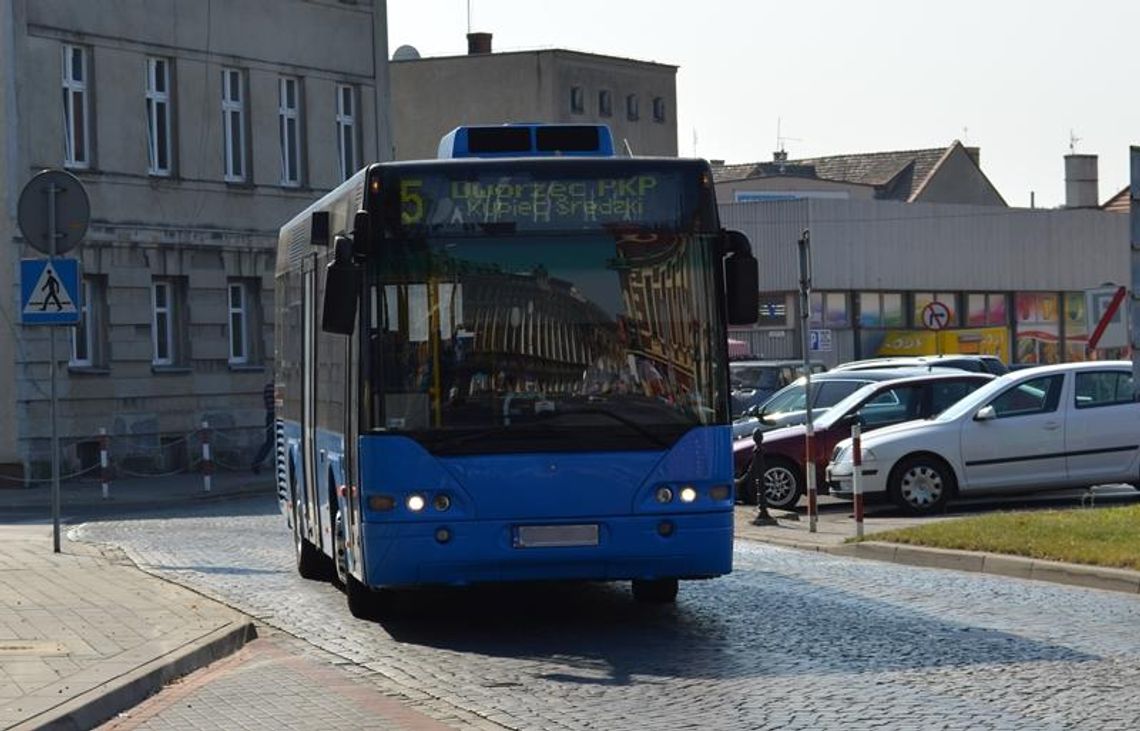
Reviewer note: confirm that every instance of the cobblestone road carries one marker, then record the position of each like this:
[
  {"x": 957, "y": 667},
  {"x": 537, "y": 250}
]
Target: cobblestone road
[{"x": 789, "y": 640}]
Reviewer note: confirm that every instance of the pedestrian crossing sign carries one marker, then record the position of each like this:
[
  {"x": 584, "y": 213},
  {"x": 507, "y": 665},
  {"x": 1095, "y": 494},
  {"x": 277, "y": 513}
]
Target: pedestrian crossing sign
[{"x": 49, "y": 292}]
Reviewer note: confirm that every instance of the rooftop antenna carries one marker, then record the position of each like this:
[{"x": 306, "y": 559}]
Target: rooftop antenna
[
  {"x": 965, "y": 135},
  {"x": 1073, "y": 140},
  {"x": 781, "y": 155}
]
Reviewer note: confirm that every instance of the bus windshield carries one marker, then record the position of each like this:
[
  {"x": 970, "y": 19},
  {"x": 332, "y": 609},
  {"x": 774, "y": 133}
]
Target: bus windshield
[{"x": 545, "y": 341}]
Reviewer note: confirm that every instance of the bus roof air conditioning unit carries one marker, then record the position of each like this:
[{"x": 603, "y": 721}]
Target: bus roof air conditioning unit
[{"x": 528, "y": 140}]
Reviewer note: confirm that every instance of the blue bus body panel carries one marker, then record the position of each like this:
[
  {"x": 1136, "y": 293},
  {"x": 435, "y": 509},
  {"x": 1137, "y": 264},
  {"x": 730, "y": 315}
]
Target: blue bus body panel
[{"x": 610, "y": 494}]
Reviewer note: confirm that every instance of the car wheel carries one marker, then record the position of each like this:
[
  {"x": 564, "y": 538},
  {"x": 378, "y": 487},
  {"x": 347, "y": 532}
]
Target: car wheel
[
  {"x": 921, "y": 484},
  {"x": 783, "y": 484}
]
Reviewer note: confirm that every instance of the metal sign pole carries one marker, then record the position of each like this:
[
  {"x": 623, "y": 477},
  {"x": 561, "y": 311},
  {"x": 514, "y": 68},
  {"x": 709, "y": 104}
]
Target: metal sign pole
[
  {"x": 805, "y": 294},
  {"x": 51, "y": 193}
]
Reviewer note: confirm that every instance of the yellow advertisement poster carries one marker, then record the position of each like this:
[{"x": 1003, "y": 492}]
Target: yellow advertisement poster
[{"x": 972, "y": 341}]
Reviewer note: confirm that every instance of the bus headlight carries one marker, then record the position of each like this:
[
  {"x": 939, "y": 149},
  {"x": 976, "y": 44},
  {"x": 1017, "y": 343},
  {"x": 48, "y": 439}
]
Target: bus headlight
[
  {"x": 664, "y": 495},
  {"x": 441, "y": 501},
  {"x": 416, "y": 502},
  {"x": 719, "y": 492},
  {"x": 688, "y": 494}
]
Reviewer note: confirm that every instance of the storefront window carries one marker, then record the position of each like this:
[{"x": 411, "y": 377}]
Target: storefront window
[
  {"x": 985, "y": 308},
  {"x": 1038, "y": 328},
  {"x": 881, "y": 309},
  {"x": 829, "y": 309}
]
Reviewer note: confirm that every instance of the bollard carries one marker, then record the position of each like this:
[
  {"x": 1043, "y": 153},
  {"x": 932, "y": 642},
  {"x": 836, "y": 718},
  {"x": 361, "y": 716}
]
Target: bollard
[
  {"x": 207, "y": 463},
  {"x": 756, "y": 478},
  {"x": 809, "y": 471},
  {"x": 857, "y": 478},
  {"x": 104, "y": 462}
]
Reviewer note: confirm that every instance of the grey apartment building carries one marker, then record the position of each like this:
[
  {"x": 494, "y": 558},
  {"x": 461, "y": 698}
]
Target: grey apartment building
[{"x": 197, "y": 128}]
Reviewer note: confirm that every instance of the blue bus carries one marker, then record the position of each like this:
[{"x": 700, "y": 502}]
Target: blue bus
[{"x": 510, "y": 364}]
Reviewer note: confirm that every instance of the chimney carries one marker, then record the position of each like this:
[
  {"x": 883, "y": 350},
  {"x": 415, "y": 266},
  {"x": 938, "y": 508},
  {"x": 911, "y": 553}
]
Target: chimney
[
  {"x": 975, "y": 154},
  {"x": 1081, "y": 181},
  {"x": 478, "y": 43}
]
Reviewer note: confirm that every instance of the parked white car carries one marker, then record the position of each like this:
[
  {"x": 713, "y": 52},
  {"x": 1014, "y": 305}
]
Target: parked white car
[{"x": 1055, "y": 426}]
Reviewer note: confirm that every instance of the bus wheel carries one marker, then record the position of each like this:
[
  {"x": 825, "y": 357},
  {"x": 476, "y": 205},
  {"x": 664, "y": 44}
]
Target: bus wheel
[
  {"x": 311, "y": 564},
  {"x": 362, "y": 602},
  {"x": 655, "y": 591}
]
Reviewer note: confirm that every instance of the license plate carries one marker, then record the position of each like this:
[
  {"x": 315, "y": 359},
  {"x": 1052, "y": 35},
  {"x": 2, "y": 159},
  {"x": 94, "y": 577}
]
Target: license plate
[{"x": 549, "y": 536}]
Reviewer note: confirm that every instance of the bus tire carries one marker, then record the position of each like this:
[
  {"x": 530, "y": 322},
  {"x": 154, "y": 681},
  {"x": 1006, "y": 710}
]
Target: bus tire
[
  {"x": 362, "y": 601},
  {"x": 311, "y": 563},
  {"x": 655, "y": 591}
]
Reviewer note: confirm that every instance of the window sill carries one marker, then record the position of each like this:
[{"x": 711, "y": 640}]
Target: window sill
[
  {"x": 170, "y": 370},
  {"x": 246, "y": 368},
  {"x": 87, "y": 370}
]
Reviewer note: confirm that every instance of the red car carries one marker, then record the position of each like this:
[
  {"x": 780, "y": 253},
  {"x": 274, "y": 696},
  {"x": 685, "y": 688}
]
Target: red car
[{"x": 872, "y": 406}]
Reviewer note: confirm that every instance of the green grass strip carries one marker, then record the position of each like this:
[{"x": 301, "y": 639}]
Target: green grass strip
[{"x": 1093, "y": 536}]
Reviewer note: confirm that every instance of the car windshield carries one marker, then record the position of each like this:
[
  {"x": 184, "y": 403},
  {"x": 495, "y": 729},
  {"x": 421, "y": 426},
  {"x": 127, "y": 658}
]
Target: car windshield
[
  {"x": 829, "y": 418},
  {"x": 975, "y": 399},
  {"x": 755, "y": 376}
]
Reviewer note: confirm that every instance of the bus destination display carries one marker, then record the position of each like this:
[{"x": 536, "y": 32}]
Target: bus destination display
[{"x": 441, "y": 204}]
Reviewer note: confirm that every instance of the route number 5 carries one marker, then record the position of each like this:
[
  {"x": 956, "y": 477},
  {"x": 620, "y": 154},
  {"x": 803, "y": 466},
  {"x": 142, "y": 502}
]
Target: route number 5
[{"x": 411, "y": 201}]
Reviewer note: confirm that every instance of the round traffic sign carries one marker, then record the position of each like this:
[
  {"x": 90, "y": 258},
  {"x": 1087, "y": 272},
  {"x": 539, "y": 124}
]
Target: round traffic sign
[
  {"x": 935, "y": 316},
  {"x": 61, "y": 191}
]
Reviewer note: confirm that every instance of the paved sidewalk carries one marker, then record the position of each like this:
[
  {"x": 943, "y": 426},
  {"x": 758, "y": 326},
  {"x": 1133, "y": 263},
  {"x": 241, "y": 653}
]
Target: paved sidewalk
[{"x": 83, "y": 633}]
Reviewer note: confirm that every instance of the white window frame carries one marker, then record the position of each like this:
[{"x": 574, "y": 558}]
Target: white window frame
[
  {"x": 346, "y": 130},
  {"x": 289, "y": 121},
  {"x": 158, "y": 97},
  {"x": 76, "y": 135},
  {"x": 84, "y": 333},
  {"x": 233, "y": 125},
  {"x": 162, "y": 314},
  {"x": 237, "y": 324}
]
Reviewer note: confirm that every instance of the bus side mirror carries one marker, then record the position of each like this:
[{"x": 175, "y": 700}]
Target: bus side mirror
[
  {"x": 342, "y": 290},
  {"x": 361, "y": 235},
  {"x": 741, "y": 280}
]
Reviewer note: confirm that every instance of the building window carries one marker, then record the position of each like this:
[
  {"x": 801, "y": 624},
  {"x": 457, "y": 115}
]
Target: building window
[
  {"x": 167, "y": 296},
  {"x": 605, "y": 103},
  {"x": 76, "y": 118},
  {"x": 922, "y": 299},
  {"x": 244, "y": 320},
  {"x": 289, "y": 117},
  {"x": 88, "y": 338},
  {"x": 658, "y": 109},
  {"x": 631, "y": 107},
  {"x": 881, "y": 309},
  {"x": 1037, "y": 323},
  {"x": 158, "y": 115},
  {"x": 829, "y": 309},
  {"x": 346, "y": 129},
  {"x": 233, "y": 124},
  {"x": 577, "y": 100},
  {"x": 986, "y": 308}
]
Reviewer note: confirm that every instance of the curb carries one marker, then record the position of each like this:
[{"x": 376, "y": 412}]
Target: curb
[
  {"x": 104, "y": 701},
  {"x": 1020, "y": 567}
]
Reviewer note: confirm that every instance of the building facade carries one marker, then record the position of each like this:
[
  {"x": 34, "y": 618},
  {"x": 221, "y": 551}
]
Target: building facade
[
  {"x": 1015, "y": 282},
  {"x": 197, "y": 130},
  {"x": 432, "y": 96}
]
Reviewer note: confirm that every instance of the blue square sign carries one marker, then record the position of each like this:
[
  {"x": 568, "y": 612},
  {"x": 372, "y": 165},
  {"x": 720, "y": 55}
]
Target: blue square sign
[{"x": 49, "y": 292}]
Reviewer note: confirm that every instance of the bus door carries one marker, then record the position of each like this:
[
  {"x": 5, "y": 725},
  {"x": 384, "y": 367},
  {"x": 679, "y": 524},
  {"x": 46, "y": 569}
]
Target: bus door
[{"x": 308, "y": 396}]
